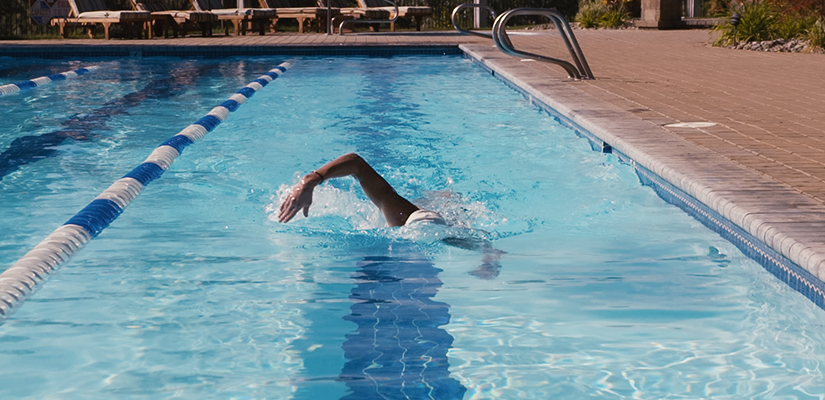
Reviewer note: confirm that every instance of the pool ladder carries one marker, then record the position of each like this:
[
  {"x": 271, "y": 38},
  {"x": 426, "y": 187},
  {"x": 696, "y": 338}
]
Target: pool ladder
[{"x": 499, "y": 35}]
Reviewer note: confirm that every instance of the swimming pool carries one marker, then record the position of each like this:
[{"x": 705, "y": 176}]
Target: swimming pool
[{"x": 604, "y": 290}]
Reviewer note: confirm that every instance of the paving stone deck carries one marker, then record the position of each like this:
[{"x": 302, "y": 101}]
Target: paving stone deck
[{"x": 762, "y": 165}]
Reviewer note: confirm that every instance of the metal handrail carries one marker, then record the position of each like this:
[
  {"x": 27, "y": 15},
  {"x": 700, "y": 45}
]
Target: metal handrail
[
  {"x": 472, "y": 5},
  {"x": 580, "y": 71},
  {"x": 369, "y": 21}
]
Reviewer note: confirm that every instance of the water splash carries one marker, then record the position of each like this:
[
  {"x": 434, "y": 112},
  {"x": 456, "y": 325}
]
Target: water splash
[
  {"x": 346, "y": 211},
  {"x": 329, "y": 201}
]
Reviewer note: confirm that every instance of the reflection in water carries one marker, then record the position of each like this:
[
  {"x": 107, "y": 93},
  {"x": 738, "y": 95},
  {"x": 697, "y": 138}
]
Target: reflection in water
[
  {"x": 399, "y": 350},
  {"x": 28, "y": 149}
]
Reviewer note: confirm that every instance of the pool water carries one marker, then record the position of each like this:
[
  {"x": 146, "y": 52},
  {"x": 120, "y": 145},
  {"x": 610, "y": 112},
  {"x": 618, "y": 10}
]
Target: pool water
[{"x": 587, "y": 285}]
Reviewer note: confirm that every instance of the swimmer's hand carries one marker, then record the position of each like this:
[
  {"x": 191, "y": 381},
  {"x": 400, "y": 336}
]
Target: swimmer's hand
[{"x": 300, "y": 198}]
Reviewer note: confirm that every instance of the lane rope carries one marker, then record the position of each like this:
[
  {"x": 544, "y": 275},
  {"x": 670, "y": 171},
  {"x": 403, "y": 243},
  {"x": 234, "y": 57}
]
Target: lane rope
[
  {"x": 21, "y": 279},
  {"x": 33, "y": 83}
]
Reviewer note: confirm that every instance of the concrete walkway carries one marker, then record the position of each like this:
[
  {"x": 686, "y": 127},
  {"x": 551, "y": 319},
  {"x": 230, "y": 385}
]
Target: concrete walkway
[{"x": 762, "y": 165}]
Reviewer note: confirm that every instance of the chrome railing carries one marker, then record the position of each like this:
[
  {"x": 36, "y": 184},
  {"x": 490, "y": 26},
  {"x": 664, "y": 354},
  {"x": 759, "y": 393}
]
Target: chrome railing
[
  {"x": 470, "y": 5},
  {"x": 502, "y": 40}
]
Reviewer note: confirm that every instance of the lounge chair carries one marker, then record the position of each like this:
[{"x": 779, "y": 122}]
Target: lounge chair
[
  {"x": 343, "y": 12},
  {"x": 403, "y": 11},
  {"x": 284, "y": 10},
  {"x": 238, "y": 16},
  {"x": 89, "y": 13},
  {"x": 180, "y": 20}
]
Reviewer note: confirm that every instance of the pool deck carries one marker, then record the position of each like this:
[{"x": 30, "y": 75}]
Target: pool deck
[{"x": 762, "y": 166}]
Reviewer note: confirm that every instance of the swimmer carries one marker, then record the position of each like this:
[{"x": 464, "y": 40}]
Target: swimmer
[{"x": 397, "y": 210}]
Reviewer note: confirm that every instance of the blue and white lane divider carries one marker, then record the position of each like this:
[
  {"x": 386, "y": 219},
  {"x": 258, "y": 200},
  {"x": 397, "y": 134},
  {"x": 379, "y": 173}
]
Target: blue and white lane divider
[
  {"x": 16, "y": 87},
  {"x": 22, "y": 278}
]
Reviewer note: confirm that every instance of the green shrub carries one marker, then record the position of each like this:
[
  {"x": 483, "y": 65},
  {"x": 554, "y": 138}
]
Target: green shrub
[
  {"x": 793, "y": 26},
  {"x": 601, "y": 14},
  {"x": 615, "y": 18},
  {"x": 590, "y": 13},
  {"x": 758, "y": 22},
  {"x": 816, "y": 34}
]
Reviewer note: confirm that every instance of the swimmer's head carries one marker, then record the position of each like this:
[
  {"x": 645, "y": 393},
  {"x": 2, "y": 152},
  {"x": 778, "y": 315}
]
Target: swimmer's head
[{"x": 424, "y": 216}]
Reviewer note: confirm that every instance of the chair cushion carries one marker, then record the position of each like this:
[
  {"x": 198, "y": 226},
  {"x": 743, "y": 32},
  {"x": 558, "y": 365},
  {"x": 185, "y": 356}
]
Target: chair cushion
[
  {"x": 370, "y": 13},
  {"x": 189, "y": 15},
  {"x": 249, "y": 12},
  {"x": 407, "y": 11},
  {"x": 230, "y": 11},
  {"x": 413, "y": 11},
  {"x": 196, "y": 16},
  {"x": 117, "y": 15},
  {"x": 262, "y": 12},
  {"x": 303, "y": 10}
]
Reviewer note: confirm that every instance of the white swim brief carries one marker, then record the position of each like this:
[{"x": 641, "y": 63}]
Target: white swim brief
[{"x": 425, "y": 216}]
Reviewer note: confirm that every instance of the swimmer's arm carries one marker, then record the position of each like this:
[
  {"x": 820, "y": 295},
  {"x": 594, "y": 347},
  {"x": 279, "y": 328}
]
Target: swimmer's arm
[
  {"x": 490, "y": 256},
  {"x": 395, "y": 208}
]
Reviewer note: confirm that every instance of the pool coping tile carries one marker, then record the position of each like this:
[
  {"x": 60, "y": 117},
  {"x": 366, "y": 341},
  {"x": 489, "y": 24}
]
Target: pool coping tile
[{"x": 730, "y": 191}]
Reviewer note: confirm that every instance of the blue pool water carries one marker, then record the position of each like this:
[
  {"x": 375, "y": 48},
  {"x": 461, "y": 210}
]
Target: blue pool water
[{"x": 597, "y": 288}]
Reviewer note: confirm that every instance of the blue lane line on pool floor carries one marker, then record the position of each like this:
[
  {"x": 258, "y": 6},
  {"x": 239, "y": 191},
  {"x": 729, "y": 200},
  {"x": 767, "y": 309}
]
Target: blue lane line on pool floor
[
  {"x": 23, "y": 277},
  {"x": 33, "y": 83}
]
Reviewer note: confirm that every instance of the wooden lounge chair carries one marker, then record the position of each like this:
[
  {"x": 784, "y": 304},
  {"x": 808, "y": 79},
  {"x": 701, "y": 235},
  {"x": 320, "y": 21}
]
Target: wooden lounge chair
[
  {"x": 181, "y": 21},
  {"x": 89, "y": 13},
  {"x": 238, "y": 16},
  {"x": 284, "y": 10},
  {"x": 345, "y": 12},
  {"x": 403, "y": 11}
]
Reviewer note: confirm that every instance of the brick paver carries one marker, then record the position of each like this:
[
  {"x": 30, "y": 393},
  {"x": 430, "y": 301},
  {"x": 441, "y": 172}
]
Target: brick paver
[
  {"x": 760, "y": 166},
  {"x": 769, "y": 107}
]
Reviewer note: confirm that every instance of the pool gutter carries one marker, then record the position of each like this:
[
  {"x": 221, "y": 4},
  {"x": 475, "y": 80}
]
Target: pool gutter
[{"x": 770, "y": 222}]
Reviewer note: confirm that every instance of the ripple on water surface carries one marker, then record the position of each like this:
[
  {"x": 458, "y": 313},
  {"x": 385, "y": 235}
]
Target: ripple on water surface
[{"x": 564, "y": 278}]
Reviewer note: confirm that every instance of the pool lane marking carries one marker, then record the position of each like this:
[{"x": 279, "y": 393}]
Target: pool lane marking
[
  {"x": 33, "y": 83},
  {"x": 22, "y": 278}
]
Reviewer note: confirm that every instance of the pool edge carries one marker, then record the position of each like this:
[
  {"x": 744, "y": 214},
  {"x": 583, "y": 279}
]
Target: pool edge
[
  {"x": 78, "y": 51},
  {"x": 794, "y": 262}
]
